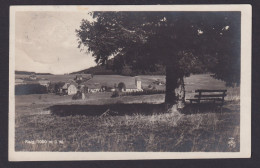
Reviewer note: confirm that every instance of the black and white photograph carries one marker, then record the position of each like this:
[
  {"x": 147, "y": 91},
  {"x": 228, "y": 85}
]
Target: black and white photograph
[{"x": 129, "y": 82}]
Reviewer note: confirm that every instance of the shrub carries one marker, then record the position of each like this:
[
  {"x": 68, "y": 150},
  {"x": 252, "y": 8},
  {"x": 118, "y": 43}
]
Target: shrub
[
  {"x": 55, "y": 87},
  {"x": 30, "y": 89},
  {"x": 115, "y": 94},
  {"x": 121, "y": 86},
  {"x": 79, "y": 96}
]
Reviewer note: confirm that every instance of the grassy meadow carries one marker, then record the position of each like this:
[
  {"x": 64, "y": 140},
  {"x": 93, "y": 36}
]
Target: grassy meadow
[{"x": 50, "y": 122}]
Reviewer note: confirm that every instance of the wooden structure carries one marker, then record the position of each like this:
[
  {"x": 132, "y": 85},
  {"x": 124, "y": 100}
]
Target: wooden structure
[{"x": 209, "y": 95}]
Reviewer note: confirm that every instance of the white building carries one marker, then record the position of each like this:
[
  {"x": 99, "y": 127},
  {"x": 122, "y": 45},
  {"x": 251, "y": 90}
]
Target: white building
[
  {"x": 138, "y": 83},
  {"x": 94, "y": 90},
  {"x": 136, "y": 88},
  {"x": 72, "y": 89},
  {"x": 69, "y": 89}
]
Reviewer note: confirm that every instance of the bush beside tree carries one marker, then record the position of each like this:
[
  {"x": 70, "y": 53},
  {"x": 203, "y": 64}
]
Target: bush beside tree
[{"x": 30, "y": 89}]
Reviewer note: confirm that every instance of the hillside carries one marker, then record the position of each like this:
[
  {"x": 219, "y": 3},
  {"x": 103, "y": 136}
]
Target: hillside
[
  {"x": 97, "y": 70},
  {"x": 108, "y": 70},
  {"x": 29, "y": 73}
]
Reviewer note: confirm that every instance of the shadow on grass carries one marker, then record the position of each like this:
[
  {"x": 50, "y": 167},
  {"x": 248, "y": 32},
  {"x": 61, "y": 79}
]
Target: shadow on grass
[
  {"x": 133, "y": 109},
  {"x": 196, "y": 108},
  {"x": 112, "y": 109}
]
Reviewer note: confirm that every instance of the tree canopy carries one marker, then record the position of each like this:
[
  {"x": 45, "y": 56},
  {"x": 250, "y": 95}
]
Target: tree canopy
[
  {"x": 121, "y": 86},
  {"x": 181, "y": 41}
]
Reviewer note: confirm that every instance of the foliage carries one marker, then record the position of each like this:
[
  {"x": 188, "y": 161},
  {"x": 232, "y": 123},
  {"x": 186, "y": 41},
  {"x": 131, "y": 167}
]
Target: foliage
[
  {"x": 121, "y": 86},
  {"x": 183, "y": 42},
  {"x": 117, "y": 69},
  {"x": 115, "y": 94},
  {"x": 30, "y": 89},
  {"x": 78, "y": 96},
  {"x": 55, "y": 87}
]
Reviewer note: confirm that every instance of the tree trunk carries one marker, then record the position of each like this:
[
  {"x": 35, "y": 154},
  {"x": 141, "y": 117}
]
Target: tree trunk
[
  {"x": 175, "y": 88},
  {"x": 180, "y": 93},
  {"x": 171, "y": 85}
]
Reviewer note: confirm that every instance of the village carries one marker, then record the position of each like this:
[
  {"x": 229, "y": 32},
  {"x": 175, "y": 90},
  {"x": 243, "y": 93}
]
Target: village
[{"x": 81, "y": 84}]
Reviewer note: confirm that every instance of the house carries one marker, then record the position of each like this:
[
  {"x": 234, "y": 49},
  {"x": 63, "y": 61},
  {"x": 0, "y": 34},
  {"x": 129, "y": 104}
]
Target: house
[
  {"x": 19, "y": 81},
  {"x": 94, "y": 88},
  {"x": 69, "y": 88},
  {"x": 134, "y": 88},
  {"x": 91, "y": 87},
  {"x": 44, "y": 82}
]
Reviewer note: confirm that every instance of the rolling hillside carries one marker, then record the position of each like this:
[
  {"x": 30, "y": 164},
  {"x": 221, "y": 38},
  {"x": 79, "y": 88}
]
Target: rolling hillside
[{"x": 29, "y": 73}]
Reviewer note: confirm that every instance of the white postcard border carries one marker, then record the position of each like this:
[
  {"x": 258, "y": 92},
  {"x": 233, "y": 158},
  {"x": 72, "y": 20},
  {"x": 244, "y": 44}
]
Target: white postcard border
[{"x": 245, "y": 97}]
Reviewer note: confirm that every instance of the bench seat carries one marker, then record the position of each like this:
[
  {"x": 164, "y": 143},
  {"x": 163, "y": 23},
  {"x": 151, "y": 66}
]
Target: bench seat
[{"x": 218, "y": 95}]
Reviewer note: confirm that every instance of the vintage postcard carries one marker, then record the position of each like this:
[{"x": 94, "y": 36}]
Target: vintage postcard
[{"x": 129, "y": 82}]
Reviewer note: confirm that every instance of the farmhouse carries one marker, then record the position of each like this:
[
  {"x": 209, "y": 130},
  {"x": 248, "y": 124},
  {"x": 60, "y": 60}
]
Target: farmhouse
[
  {"x": 69, "y": 88},
  {"x": 134, "y": 88},
  {"x": 99, "y": 85},
  {"x": 94, "y": 88},
  {"x": 89, "y": 87}
]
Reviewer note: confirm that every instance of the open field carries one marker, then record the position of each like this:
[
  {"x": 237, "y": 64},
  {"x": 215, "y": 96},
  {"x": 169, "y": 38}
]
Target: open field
[
  {"x": 40, "y": 125},
  {"x": 209, "y": 131},
  {"x": 200, "y": 81}
]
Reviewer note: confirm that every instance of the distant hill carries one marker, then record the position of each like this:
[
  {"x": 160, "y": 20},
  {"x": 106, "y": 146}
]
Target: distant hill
[
  {"x": 29, "y": 73},
  {"x": 97, "y": 70},
  {"x": 103, "y": 70}
]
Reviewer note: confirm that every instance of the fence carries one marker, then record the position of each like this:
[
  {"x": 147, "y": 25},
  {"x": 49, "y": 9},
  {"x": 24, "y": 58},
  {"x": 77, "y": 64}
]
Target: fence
[{"x": 144, "y": 92}]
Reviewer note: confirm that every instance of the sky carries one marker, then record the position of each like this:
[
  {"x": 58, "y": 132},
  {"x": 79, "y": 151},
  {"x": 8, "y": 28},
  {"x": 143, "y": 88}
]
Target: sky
[{"x": 46, "y": 42}]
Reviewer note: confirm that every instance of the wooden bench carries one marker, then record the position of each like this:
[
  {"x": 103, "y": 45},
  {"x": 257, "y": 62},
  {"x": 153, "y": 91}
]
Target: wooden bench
[{"x": 209, "y": 95}]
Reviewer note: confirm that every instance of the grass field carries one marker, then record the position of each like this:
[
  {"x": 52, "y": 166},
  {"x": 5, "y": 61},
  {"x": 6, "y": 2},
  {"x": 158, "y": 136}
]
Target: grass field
[{"x": 39, "y": 125}]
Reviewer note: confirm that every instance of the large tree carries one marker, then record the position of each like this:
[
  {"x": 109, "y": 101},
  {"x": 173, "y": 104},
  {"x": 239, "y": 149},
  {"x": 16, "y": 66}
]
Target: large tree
[{"x": 180, "y": 41}]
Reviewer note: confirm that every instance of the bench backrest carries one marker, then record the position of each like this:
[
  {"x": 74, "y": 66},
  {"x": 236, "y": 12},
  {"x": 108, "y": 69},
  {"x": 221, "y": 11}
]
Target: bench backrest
[{"x": 213, "y": 93}]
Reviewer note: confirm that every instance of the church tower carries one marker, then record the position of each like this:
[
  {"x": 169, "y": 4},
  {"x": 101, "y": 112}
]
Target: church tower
[{"x": 138, "y": 83}]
